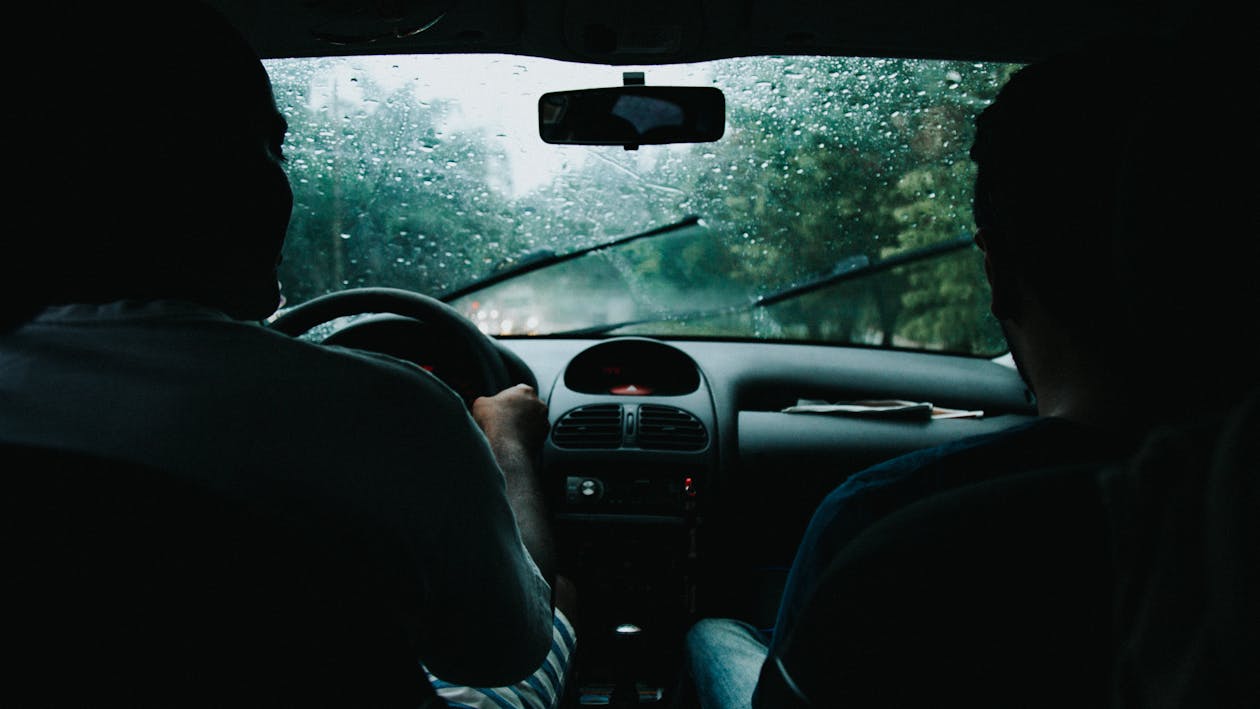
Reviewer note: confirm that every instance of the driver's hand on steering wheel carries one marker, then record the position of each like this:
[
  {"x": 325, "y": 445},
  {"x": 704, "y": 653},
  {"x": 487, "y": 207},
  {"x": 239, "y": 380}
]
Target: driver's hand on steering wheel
[{"x": 513, "y": 416}]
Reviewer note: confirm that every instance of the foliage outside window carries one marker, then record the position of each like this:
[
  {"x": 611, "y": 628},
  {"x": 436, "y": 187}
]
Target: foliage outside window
[{"x": 427, "y": 173}]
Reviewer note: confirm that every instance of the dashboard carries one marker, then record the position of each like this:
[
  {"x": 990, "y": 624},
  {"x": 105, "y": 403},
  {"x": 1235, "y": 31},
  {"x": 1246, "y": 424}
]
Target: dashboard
[{"x": 679, "y": 486}]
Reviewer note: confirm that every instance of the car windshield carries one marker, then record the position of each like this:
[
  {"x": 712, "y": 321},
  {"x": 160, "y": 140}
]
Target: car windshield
[{"x": 427, "y": 173}]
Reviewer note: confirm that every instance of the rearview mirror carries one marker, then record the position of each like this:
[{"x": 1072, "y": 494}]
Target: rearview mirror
[{"x": 632, "y": 116}]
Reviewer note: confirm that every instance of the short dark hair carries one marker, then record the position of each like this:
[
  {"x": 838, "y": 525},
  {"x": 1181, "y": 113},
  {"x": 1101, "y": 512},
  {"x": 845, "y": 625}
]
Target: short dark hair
[
  {"x": 1048, "y": 153},
  {"x": 111, "y": 206}
]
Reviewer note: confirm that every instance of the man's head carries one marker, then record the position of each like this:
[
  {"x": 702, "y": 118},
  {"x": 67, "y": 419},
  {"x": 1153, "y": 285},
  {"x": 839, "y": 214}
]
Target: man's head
[
  {"x": 1049, "y": 152},
  {"x": 151, "y": 152}
]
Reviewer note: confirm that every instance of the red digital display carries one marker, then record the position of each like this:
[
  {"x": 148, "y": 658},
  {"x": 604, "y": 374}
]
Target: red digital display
[
  {"x": 630, "y": 390},
  {"x": 632, "y": 368}
]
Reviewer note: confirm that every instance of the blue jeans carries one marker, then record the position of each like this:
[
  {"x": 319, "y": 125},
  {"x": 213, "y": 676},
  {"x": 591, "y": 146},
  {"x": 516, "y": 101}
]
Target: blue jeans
[{"x": 724, "y": 659}]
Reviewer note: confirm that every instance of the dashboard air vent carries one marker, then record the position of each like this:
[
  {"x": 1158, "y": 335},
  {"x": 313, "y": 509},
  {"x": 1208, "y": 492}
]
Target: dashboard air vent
[
  {"x": 596, "y": 426},
  {"x": 667, "y": 428}
]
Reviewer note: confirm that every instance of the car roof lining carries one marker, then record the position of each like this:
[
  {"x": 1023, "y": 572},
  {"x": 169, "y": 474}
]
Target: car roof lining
[{"x": 645, "y": 32}]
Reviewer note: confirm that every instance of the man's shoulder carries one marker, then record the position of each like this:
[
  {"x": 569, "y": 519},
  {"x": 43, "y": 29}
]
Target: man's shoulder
[
  {"x": 1039, "y": 442},
  {"x": 1044, "y": 436},
  {"x": 191, "y": 337},
  {"x": 873, "y": 493},
  {"x": 386, "y": 375}
]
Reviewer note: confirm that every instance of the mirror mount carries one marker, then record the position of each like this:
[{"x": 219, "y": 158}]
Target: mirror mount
[{"x": 632, "y": 78}]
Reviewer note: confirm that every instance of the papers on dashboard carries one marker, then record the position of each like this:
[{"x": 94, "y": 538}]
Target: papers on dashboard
[{"x": 881, "y": 408}]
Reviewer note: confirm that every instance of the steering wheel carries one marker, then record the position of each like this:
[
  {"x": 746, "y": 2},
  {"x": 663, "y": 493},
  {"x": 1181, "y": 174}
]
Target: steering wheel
[{"x": 443, "y": 322}]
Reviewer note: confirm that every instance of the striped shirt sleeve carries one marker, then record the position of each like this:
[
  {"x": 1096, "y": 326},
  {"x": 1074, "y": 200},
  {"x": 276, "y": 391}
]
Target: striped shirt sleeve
[{"x": 541, "y": 690}]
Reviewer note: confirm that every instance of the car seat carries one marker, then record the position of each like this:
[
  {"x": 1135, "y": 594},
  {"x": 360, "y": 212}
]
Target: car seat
[
  {"x": 992, "y": 595},
  {"x": 1187, "y": 548},
  {"x": 129, "y": 587}
]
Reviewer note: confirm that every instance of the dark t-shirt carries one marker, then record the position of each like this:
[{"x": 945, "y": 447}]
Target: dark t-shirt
[{"x": 881, "y": 490}]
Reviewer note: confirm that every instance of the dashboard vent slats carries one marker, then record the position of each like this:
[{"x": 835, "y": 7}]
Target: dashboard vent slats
[
  {"x": 597, "y": 426},
  {"x": 667, "y": 428}
]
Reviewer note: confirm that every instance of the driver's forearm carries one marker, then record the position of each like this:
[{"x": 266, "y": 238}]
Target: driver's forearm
[{"x": 525, "y": 495}]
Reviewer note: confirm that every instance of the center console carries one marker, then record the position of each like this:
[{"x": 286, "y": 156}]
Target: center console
[{"x": 627, "y": 461}]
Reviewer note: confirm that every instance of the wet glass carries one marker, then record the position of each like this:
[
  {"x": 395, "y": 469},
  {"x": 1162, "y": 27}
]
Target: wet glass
[{"x": 427, "y": 173}]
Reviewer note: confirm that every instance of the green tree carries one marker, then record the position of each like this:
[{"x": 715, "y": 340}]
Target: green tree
[{"x": 384, "y": 196}]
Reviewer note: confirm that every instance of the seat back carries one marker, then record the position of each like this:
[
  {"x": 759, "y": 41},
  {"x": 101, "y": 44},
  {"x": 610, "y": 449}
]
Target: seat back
[
  {"x": 992, "y": 595},
  {"x": 130, "y": 587},
  {"x": 1187, "y": 547},
  {"x": 1128, "y": 586}
]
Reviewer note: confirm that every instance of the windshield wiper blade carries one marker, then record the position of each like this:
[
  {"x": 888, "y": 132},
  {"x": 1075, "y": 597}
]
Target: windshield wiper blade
[
  {"x": 847, "y": 269},
  {"x": 841, "y": 273},
  {"x": 548, "y": 258}
]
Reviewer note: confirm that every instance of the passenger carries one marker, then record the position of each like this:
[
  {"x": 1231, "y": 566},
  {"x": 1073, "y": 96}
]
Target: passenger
[
  {"x": 154, "y": 206},
  {"x": 1050, "y": 153}
]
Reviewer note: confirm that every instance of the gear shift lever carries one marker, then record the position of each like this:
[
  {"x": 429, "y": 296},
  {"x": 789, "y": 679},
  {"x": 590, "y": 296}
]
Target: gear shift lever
[{"x": 627, "y": 642}]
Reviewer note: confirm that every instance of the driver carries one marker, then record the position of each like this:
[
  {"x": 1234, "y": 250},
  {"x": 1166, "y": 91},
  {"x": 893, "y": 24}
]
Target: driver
[{"x": 143, "y": 258}]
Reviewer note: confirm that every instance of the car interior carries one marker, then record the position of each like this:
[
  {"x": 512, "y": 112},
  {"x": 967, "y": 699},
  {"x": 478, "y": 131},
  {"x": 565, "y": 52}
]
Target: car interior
[{"x": 695, "y": 426}]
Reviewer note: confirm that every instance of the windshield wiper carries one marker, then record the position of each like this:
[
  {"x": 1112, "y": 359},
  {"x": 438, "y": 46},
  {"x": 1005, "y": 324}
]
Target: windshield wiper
[
  {"x": 543, "y": 259},
  {"x": 846, "y": 269}
]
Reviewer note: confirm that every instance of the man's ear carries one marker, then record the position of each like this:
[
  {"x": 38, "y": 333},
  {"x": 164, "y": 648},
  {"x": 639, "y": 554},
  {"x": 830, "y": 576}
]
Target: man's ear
[{"x": 999, "y": 268}]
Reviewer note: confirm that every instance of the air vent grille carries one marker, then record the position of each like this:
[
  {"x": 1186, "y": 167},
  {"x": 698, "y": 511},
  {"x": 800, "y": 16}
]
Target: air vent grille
[
  {"x": 596, "y": 426},
  {"x": 667, "y": 428}
]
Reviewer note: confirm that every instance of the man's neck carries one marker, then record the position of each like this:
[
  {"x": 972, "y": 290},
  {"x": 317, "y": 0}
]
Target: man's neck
[
  {"x": 1075, "y": 383},
  {"x": 1100, "y": 407}
]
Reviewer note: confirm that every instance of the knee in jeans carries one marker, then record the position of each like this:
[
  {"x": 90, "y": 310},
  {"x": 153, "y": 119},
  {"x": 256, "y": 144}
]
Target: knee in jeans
[
  {"x": 720, "y": 632},
  {"x": 706, "y": 629}
]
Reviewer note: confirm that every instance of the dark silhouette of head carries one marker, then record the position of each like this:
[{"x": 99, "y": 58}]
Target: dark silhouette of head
[
  {"x": 151, "y": 155},
  {"x": 1048, "y": 153},
  {"x": 1098, "y": 197}
]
